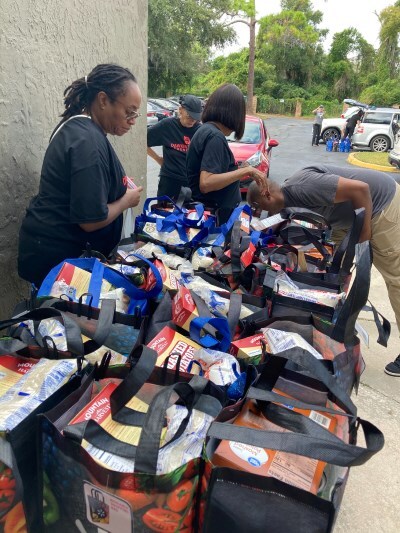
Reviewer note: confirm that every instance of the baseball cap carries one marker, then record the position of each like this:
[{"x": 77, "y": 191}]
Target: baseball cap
[
  {"x": 321, "y": 106},
  {"x": 192, "y": 104}
]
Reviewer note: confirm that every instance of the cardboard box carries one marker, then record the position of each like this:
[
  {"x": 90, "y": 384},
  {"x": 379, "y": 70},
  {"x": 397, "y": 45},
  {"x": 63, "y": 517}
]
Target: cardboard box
[
  {"x": 184, "y": 309},
  {"x": 248, "y": 348},
  {"x": 170, "y": 342},
  {"x": 12, "y": 368},
  {"x": 296, "y": 470},
  {"x": 74, "y": 281},
  {"x": 169, "y": 279}
]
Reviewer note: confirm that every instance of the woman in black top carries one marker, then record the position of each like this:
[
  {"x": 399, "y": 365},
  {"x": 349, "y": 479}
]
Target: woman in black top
[
  {"x": 174, "y": 135},
  {"x": 212, "y": 173},
  {"x": 83, "y": 187}
]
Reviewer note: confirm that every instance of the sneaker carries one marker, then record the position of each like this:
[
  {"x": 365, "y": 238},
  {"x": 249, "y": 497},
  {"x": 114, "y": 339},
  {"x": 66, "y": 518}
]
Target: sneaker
[{"x": 393, "y": 369}]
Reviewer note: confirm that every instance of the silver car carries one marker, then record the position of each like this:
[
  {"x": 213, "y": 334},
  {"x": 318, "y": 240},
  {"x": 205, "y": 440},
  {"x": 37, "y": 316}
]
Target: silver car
[{"x": 375, "y": 130}]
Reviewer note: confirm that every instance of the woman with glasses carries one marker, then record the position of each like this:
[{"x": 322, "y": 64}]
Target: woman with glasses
[
  {"x": 83, "y": 188},
  {"x": 212, "y": 172},
  {"x": 174, "y": 135}
]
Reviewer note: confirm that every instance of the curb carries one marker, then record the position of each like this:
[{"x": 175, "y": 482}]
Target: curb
[{"x": 354, "y": 161}]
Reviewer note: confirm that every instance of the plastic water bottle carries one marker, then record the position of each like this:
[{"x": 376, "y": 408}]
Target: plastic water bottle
[
  {"x": 347, "y": 145},
  {"x": 329, "y": 144},
  {"x": 342, "y": 145}
]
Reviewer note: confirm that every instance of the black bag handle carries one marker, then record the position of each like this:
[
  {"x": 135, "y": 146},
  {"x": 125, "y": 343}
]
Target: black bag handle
[
  {"x": 344, "y": 327},
  {"x": 301, "y": 213},
  {"x": 105, "y": 319},
  {"x": 276, "y": 363},
  {"x": 344, "y": 255},
  {"x": 185, "y": 195},
  {"x": 316, "y": 442},
  {"x": 384, "y": 327},
  {"x": 146, "y": 452},
  {"x": 72, "y": 330}
]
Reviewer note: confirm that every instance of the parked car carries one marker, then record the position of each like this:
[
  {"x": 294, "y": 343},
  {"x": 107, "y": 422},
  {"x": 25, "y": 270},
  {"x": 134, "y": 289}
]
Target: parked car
[
  {"x": 165, "y": 104},
  {"x": 375, "y": 130},
  {"x": 159, "y": 111},
  {"x": 151, "y": 116},
  {"x": 394, "y": 154},
  {"x": 254, "y": 148},
  {"x": 332, "y": 127}
]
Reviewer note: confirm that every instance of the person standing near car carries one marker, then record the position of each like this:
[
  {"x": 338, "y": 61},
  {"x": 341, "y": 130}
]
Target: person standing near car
[
  {"x": 319, "y": 117},
  {"x": 211, "y": 170},
  {"x": 351, "y": 124},
  {"x": 174, "y": 134},
  {"x": 83, "y": 189},
  {"x": 334, "y": 192}
]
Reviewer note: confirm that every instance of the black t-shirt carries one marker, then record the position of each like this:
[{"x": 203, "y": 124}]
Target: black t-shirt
[
  {"x": 81, "y": 174},
  {"x": 175, "y": 140},
  {"x": 209, "y": 151}
]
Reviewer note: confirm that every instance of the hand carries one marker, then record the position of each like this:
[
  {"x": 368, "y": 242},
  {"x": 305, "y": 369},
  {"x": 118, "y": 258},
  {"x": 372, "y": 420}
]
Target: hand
[
  {"x": 261, "y": 179},
  {"x": 132, "y": 197}
]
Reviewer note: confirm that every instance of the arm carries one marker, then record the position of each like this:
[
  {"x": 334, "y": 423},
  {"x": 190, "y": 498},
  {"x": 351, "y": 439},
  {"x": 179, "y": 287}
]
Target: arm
[
  {"x": 358, "y": 193},
  {"x": 130, "y": 199},
  {"x": 215, "y": 182},
  {"x": 157, "y": 158}
]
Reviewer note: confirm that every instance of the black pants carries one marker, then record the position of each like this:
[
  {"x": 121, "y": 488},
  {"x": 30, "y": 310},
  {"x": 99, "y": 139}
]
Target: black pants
[
  {"x": 316, "y": 131},
  {"x": 170, "y": 187}
]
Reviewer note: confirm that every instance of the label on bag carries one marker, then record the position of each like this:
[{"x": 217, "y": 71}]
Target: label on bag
[
  {"x": 252, "y": 454},
  {"x": 107, "y": 511}
]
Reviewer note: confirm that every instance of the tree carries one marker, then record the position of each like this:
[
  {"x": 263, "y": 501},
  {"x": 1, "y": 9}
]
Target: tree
[
  {"x": 235, "y": 69},
  {"x": 180, "y": 38},
  {"x": 389, "y": 49},
  {"x": 247, "y": 8},
  {"x": 291, "y": 41},
  {"x": 349, "y": 63}
]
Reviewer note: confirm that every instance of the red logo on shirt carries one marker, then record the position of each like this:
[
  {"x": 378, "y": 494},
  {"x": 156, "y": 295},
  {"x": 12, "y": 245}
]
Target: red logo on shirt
[
  {"x": 186, "y": 140},
  {"x": 124, "y": 181}
]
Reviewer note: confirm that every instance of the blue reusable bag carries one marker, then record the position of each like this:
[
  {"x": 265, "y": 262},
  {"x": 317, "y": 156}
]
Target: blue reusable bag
[
  {"x": 99, "y": 272},
  {"x": 179, "y": 219}
]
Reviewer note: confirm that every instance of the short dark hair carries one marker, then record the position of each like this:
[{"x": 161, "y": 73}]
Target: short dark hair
[
  {"x": 227, "y": 106},
  {"x": 106, "y": 77}
]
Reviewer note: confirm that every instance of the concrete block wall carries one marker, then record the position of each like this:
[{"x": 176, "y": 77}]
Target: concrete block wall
[{"x": 44, "y": 45}]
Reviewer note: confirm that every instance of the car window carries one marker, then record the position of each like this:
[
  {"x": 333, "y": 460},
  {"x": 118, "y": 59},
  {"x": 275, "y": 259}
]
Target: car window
[
  {"x": 378, "y": 118},
  {"x": 252, "y": 134}
]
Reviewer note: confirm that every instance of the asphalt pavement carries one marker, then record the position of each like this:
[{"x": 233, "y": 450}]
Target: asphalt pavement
[{"x": 371, "y": 502}]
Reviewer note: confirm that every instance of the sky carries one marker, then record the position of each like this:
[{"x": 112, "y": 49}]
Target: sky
[{"x": 338, "y": 15}]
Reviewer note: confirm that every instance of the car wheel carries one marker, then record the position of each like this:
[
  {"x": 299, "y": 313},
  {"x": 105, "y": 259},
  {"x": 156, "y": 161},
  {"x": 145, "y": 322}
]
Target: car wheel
[
  {"x": 380, "y": 143},
  {"x": 330, "y": 133}
]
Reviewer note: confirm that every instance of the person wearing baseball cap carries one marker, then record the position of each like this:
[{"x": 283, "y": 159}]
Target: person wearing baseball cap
[
  {"x": 174, "y": 134},
  {"x": 319, "y": 117}
]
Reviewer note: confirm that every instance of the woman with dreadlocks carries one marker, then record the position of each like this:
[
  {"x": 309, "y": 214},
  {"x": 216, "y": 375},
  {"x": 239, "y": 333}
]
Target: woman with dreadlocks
[{"x": 83, "y": 187}]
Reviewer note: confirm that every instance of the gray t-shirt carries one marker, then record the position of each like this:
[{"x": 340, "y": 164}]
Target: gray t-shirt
[
  {"x": 319, "y": 117},
  {"x": 314, "y": 187}
]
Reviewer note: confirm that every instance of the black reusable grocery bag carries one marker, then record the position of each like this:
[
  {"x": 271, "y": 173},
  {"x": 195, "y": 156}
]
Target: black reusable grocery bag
[{"x": 237, "y": 498}]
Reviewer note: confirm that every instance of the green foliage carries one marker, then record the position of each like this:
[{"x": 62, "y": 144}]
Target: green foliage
[
  {"x": 234, "y": 69},
  {"x": 290, "y": 63},
  {"x": 181, "y": 35},
  {"x": 386, "y": 93},
  {"x": 291, "y": 41}
]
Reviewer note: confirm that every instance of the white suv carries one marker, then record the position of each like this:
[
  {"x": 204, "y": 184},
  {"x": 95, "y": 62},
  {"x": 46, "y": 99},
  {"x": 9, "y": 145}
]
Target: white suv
[
  {"x": 332, "y": 127},
  {"x": 375, "y": 130}
]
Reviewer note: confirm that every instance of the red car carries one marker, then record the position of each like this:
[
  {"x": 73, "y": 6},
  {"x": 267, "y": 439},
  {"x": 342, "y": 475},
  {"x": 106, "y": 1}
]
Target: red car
[{"x": 253, "y": 148}]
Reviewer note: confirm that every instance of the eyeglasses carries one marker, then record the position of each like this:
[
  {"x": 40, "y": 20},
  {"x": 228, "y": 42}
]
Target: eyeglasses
[{"x": 129, "y": 116}]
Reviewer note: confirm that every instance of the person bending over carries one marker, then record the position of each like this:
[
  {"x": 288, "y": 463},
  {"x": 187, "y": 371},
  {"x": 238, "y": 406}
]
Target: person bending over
[{"x": 335, "y": 192}]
